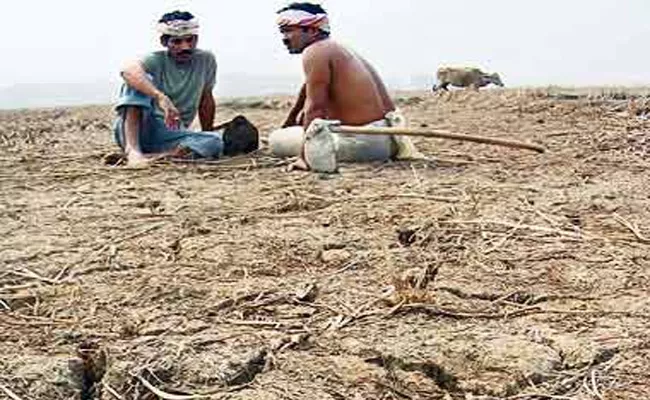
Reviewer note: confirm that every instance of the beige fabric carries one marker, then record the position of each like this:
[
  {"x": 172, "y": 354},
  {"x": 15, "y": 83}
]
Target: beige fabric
[
  {"x": 324, "y": 149},
  {"x": 303, "y": 18},
  {"x": 179, "y": 27},
  {"x": 286, "y": 142},
  {"x": 406, "y": 149}
]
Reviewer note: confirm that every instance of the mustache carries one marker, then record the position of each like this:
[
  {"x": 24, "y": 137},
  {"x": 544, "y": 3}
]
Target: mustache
[{"x": 187, "y": 52}]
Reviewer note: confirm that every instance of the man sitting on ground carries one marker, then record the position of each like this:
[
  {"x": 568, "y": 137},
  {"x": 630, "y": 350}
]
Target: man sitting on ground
[
  {"x": 164, "y": 92},
  {"x": 339, "y": 85}
]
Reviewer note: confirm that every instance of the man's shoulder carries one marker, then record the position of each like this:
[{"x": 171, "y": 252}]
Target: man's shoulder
[
  {"x": 322, "y": 49},
  {"x": 153, "y": 62},
  {"x": 155, "y": 55},
  {"x": 205, "y": 55}
]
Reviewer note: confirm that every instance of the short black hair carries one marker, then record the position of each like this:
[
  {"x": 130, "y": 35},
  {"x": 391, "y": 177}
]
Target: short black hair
[
  {"x": 176, "y": 15},
  {"x": 307, "y": 7}
]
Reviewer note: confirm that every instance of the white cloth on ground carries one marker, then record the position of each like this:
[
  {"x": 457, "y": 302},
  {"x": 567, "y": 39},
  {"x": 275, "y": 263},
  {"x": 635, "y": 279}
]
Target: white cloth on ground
[
  {"x": 322, "y": 144},
  {"x": 406, "y": 149},
  {"x": 288, "y": 142}
]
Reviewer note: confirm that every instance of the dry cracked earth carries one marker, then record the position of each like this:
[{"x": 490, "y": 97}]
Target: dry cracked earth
[{"x": 483, "y": 273}]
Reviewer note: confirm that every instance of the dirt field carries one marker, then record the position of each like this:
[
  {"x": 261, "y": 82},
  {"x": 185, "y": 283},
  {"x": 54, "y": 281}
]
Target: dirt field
[{"x": 488, "y": 273}]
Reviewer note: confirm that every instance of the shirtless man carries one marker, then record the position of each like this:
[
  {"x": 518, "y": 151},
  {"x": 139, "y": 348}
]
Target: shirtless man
[{"x": 339, "y": 85}]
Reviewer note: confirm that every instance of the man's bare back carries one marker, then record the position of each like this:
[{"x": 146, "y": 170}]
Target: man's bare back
[{"x": 356, "y": 94}]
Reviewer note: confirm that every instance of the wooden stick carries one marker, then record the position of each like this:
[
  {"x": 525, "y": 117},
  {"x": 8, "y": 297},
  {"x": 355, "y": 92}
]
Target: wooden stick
[{"x": 374, "y": 130}]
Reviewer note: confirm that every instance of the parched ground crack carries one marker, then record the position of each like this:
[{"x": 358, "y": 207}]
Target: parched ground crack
[
  {"x": 518, "y": 297},
  {"x": 432, "y": 370}
]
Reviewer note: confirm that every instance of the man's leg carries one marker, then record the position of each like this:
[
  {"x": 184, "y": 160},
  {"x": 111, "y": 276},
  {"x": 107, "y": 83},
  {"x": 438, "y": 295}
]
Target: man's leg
[
  {"x": 145, "y": 138},
  {"x": 367, "y": 148},
  {"x": 186, "y": 144},
  {"x": 132, "y": 117},
  {"x": 131, "y": 127},
  {"x": 288, "y": 142},
  {"x": 136, "y": 128},
  {"x": 364, "y": 148},
  {"x": 132, "y": 136}
]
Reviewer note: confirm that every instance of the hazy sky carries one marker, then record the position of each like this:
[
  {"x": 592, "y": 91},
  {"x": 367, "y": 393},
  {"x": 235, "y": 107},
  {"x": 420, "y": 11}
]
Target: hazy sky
[{"x": 571, "y": 42}]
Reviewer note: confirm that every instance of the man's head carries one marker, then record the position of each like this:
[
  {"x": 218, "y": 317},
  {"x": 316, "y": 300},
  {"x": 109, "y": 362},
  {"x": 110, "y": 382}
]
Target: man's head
[
  {"x": 302, "y": 24},
  {"x": 179, "y": 32}
]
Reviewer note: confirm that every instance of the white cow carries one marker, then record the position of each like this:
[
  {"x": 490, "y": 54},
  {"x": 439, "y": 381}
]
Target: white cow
[{"x": 465, "y": 77}]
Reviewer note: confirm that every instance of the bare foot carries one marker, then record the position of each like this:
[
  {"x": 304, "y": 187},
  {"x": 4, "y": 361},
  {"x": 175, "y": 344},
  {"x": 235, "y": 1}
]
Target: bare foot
[
  {"x": 299, "y": 164},
  {"x": 137, "y": 160}
]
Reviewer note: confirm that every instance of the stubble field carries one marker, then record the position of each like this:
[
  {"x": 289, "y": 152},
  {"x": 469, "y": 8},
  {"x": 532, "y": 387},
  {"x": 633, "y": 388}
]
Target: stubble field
[{"x": 486, "y": 273}]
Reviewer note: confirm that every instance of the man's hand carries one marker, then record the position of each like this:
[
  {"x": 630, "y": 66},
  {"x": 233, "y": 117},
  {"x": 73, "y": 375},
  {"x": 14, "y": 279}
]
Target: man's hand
[
  {"x": 135, "y": 76},
  {"x": 172, "y": 116}
]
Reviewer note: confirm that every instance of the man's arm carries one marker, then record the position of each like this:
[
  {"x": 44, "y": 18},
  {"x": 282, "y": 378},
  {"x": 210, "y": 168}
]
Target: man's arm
[
  {"x": 135, "y": 76},
  {"x": 298, "y": 107},
  {"x": 318, "y": 77},
  {"x": 207, "y": 110},
  {"x": 207, "y": 105}
]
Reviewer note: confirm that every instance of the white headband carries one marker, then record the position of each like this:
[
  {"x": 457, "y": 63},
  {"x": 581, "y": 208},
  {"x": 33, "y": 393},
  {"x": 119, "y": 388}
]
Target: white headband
[
  {"x": 303, "y": 18},
  {"x": 179, "y": 27}
]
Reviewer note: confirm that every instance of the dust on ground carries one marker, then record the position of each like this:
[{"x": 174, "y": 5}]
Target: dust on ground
[{"x": 486, "y": 273}]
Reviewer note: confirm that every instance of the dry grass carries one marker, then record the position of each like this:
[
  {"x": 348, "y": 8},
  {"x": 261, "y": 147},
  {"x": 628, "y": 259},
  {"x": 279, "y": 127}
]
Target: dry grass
[{"x": 237, "y": 280}]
